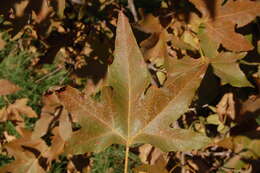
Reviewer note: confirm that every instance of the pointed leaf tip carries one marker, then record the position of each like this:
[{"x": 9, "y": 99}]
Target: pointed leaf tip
[{"x": 131, "y": 112}]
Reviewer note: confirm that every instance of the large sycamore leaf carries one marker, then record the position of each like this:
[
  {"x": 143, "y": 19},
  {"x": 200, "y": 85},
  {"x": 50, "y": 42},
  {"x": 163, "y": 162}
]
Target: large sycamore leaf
[
  {"x": 221, "y": 26},
  {"x": 224, "y": 64},
  {"x": 129, "y": 110}
]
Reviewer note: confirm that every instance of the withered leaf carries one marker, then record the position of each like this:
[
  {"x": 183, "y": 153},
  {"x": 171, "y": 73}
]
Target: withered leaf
[
  {"x": 149, "y": 24},
  {"x": 50, "y": 103},
  {"x": 226, "y": 67},
  {"x": 16, "y": 110},
  {"x": 42, "y": 125},
  {"x": 65, "y": 128},
  {"x": 26, "y": 161},
  {"x": 149, "y": 154},
  {"x": 155, "y": 46},
  {"x": 128, "y": 110},
  {"x": 56, "y": 148},
  {"x": 246, "y": 147},
  {"x": 22, "y": 108},
  {"x": 159, "y": 166},
  {"x": 28, "y": 152},
  {"x": 224, "y": 64},
  {"x": 226, "y": 108},
  {"x": 7, "y": 87},
  {"x": 52, "y": 111},
  {"x": 221, "y": 26}
]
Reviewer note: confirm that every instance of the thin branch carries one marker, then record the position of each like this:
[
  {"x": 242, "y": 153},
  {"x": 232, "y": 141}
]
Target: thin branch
[
  {"x": 48, "y": 75},
  {"x": 126, "y": 158},
  {"x": 131, "y": 7},
  {"x": 183, "y": 170}
]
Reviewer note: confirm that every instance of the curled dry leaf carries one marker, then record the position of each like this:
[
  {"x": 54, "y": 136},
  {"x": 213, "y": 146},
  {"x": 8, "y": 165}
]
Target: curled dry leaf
[
  {"x": 29, "y": 153},
  {"x": 226, "y": 107},
  {"x": 149, "y": 154},
  {"x": 48, "y": 113},
  {"x": 21, "y": 107},
  {"x": 51, "y": 110},
  {"x": 16, "y": 110},
  {"x": 26, "y": 161},
  {"x": 220, "y": 27},
  {"x": 129, "y": 111},
  {"x": 7, "y": 87}
]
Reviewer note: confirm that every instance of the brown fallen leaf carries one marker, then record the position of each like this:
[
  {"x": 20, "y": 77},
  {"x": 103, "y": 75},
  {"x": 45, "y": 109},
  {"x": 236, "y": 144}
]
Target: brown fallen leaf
[
  {"x": 154, "y": 47},
  {"x": 149, "y": 24},
  {"x": 226, "y": 108},
  {"x": 7, "y": 87},
  {"x": 21, "y": 107},
  {"x": 158, "y": 167},
  {"x": 26, "y": 160},
  {"x": 221, "y": 26},
  {"x": 149, "y": 154},
  {"x": 56, "y": 148},
  {"x": 127, "y": 112},
  {"x": 42, "y": 125},
  {"x": 65, "y": 127},
  {"x": 16, "y": 110},
  {"x": 245, "y": 147},
  {"x": 20, "y": 7},
  {"x": 53, "y": 111},
  {"x": 225, "y": 64},
  {"x": 48, "y": 113}
]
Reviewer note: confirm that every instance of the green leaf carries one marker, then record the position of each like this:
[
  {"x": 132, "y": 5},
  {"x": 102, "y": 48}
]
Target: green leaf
[
  {"x": 226, "y": 67},
  {"x": 208, "y": 46},
  {"x": 130, "y": 111},
  {"x": 224, "y": 64}
]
